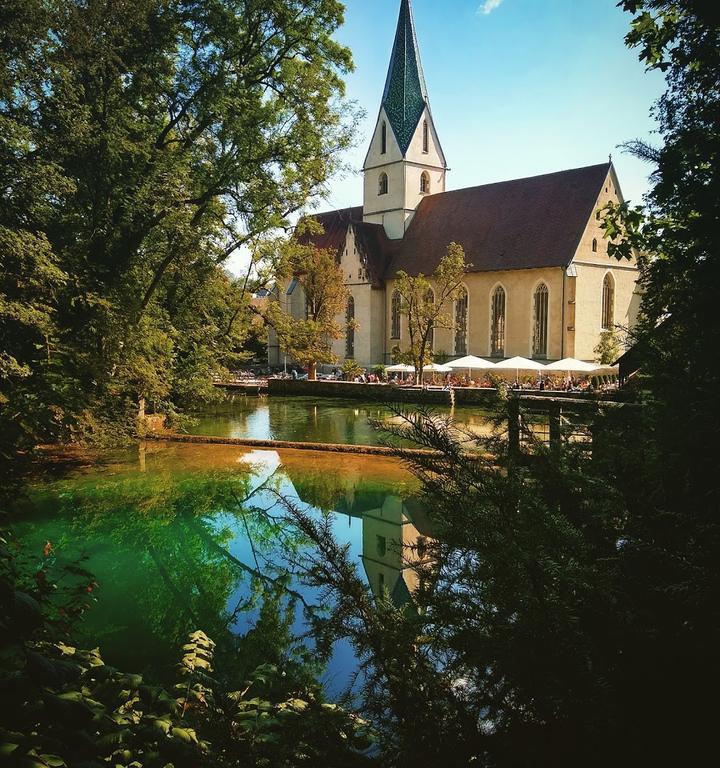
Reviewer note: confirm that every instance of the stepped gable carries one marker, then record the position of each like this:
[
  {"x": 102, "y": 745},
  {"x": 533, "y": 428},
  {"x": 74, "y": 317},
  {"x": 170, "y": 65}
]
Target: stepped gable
[
  {"x": 520, "y": 224},
  {"x": 370, "y": 239},
  {"x": 373, "y": 242},
  {"x": 335, "y": 225}
]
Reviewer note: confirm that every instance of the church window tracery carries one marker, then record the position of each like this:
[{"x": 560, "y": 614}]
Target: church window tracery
[
  {"x": 608, "y": 302},
  {"x": 424, "y": 182},
  {"x": 350, "y": 333},
  {"x": 497, "y": 322},
  {"x": 395, "y": 316},
  {"x": 430, "y": 299},
  {"x": 383, "y": 184},
  {"x": 541, "y": 306},
  {"x": 461, "y": 323}
]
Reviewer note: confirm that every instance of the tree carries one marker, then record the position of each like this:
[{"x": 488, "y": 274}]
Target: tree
[
  {"x": 309, "y": 340},
  {"x": 423, "y": 300},
  {"x": 156, "y": 138},
  {"x": 607, "y": 350}
]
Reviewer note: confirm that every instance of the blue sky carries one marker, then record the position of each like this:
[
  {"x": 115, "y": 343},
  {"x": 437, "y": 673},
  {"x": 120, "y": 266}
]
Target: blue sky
[{"x": 529, "y": 87}]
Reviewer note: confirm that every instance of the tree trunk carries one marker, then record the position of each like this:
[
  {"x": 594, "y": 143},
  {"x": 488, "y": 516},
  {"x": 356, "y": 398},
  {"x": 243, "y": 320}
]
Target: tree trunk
[{"x": 312, "y": 372}]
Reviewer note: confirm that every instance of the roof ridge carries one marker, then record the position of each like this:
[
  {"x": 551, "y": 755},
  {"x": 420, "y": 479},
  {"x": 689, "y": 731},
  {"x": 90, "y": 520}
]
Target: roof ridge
[{"x": 522, "y": 178}]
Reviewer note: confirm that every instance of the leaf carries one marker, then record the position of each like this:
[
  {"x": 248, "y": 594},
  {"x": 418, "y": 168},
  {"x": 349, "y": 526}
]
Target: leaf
[
  {"x": 186, "y": 735},
  {"x": 52, "y": 672},
  {"x": 54, "y": 761}
]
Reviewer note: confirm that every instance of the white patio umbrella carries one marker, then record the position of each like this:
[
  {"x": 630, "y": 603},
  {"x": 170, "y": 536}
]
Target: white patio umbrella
[
  {"x": 572, "y": 365},
  {"x": 437, "y": 368},
  {"x": 400, "y": 368},
  {"x": 471, "y": 363},
  {"x": 520, "y": 364}
]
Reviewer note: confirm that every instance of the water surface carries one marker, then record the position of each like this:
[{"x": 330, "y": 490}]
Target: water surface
[
  {"x": 181, "y": 537},
  {"x": 303, "y": 419}
]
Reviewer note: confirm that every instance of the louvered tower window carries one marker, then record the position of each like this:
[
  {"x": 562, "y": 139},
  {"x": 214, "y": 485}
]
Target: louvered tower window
[
  {"x": 497, "y": 322},
  {"x": 540, "y": 317}
]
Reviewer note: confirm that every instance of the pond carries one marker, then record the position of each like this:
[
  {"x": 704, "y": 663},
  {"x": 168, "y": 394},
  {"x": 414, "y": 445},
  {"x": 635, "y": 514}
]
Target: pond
[
  {"x": 181, "y": 537},
  {"x": 304, "y": 419}
]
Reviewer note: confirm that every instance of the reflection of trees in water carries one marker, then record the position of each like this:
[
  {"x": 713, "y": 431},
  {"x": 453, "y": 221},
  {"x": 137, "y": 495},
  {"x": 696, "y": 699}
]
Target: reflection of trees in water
[
  {"x": 159, "y": 544},
  {"x": 176, "y": 547}
]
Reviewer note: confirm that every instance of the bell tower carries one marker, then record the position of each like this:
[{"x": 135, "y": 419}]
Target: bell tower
[{"x": 405, "y": 161}]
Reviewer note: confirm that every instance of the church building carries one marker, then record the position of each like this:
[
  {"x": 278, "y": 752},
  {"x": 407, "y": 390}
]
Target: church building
[{"x": 540, "y": 284}]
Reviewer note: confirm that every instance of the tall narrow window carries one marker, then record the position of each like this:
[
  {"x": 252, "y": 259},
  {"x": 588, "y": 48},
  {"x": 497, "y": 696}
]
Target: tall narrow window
[
  {"x": 608, "y": 302},
  {"x": 424, "y": 182},
  {"x": 540, "y": 321},
  {"x": 383, "y": 184},
  {"x": 395, "y": 316},
  {"x": 497, "y": 322},
  {"x": 383, "y": 138},
  {"x": 461, "y": 323},
  {"x": 594, "y": 245},
  {"x": 426, "y": 138},
  {"x": 350, "y": 332},
  {"x": 430, "y": 300}
]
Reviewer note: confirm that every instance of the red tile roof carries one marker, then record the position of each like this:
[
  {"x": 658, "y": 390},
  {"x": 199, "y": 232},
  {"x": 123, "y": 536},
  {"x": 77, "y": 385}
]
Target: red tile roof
[{"x": 519, "y": 224}]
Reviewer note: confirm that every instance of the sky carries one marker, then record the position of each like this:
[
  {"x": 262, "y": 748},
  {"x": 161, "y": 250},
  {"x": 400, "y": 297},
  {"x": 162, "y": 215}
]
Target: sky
[{"x": 517, "y": 87}]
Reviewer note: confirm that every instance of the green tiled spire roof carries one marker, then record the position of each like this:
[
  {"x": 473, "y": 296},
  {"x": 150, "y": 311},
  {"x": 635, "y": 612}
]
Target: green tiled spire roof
[{"x": 405, "y": 96}]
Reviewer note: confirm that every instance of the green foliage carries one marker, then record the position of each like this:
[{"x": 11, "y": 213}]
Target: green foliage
[
  {"x": 141, "y": 145},
  {"x": 63, "y": 706},
  {"x": 351, "y": 369},
  {"x": 308, "y": 340},
  {"x": 607, "y": 350},
  {"x": 424, "y": 301}
]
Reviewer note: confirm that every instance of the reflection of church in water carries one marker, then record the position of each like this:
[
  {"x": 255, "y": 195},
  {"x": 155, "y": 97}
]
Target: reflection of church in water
[
  {"x": 393, "y": 534},
  {"x": 394, "y": 528}
]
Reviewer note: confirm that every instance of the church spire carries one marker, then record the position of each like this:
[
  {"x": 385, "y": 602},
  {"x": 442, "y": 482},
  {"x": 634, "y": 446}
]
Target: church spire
[{"x": 405, "y": 96}]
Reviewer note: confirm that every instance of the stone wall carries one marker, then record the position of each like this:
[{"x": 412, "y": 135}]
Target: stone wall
[{"x": 391, "y": 394}]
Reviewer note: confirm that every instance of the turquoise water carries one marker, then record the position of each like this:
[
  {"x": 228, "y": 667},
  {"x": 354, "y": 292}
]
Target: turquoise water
[
  {"x": 303, "y": 419},
  {"x": 181, "y": 537}
]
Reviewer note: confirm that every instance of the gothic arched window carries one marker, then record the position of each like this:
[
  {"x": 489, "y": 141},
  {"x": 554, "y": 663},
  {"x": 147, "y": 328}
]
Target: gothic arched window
[
  {"x": 594, "y": 245},
  {"x": 608, "y": 302},
  {"x": 383, "y": 138},
  {"x": 461, "y": 323},
  {"x": 350, "y": 333},
  {"x": 383, "y": 184},
  {"x": 430, "y": 299},
  {"x": 395, "y": 316},
  {"x": 497, "y": 322},
  {"x": 424, "y": 182},
  {"x": 541, "y": 307}
]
